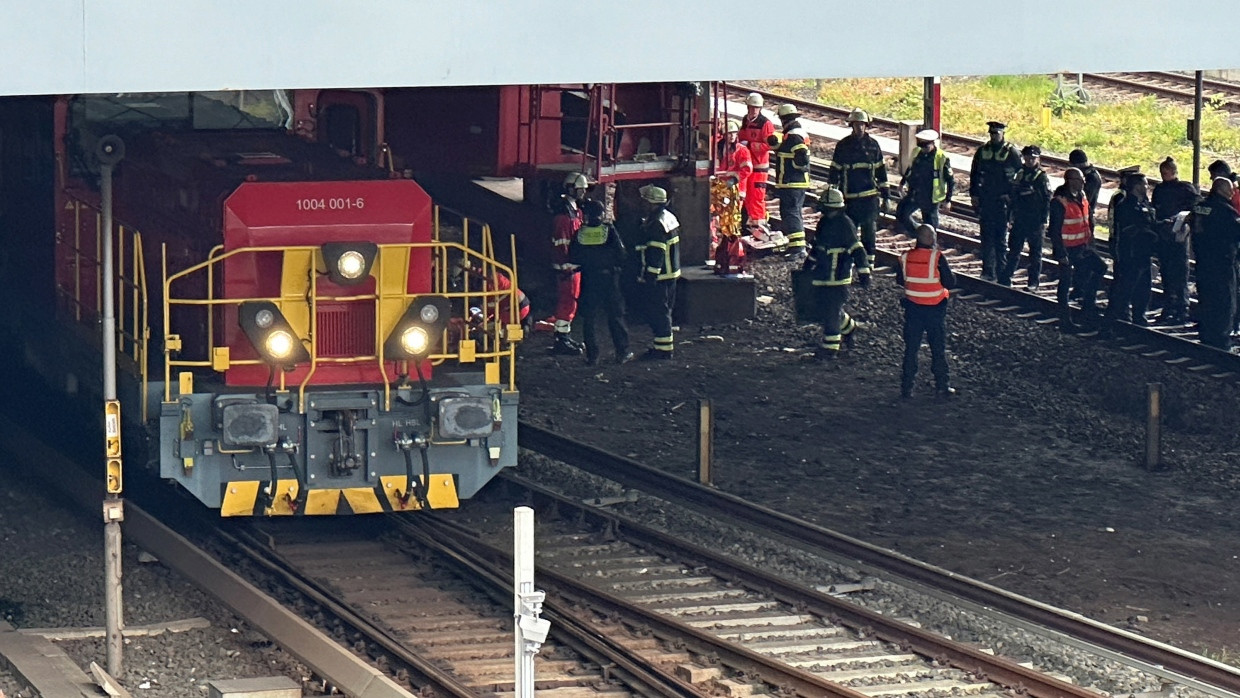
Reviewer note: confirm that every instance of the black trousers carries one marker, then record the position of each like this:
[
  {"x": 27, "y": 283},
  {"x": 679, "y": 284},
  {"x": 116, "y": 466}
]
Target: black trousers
[
  {"x": 1173, "y": 269},
  {"x": 600, "y": 290},
  {"x": 1024, "y": 233},
  {"x": 1084, "y": 270},
  {"x": 791, "y": 202},
  {"x": 929, "y": 321},
  {"x": 993, "y": 220},
  {"x": 864, "y": 212},
  {"x": 836, "y": 323},
  {"x": 910, "y": 203},
  {"x": 1216, "y": 297},
  {"x": 658, "y": 299},
  {"x": 1129, "y": 296}
]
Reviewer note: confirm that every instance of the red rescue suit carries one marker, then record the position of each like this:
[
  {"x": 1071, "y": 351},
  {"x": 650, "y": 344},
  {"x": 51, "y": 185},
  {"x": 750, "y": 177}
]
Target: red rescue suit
[
  {"x": 755, "y": 133},
  {"x": 568, "y": 278}
]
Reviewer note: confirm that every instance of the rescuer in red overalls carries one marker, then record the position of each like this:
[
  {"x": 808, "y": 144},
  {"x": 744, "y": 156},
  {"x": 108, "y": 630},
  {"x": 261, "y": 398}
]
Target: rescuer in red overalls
[
  {"x": 735, "y": 169},
  {"x": 564, "y": 227},
  {"x": 756, "y": 131}
]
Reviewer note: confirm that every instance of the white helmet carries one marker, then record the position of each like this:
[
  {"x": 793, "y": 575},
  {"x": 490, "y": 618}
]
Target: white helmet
[
  {"x": 858, "y": 115},
  {"x": 754, "y": 100},
  {"x": 576, "y": 180},
  {"x": 734, "y": 126},
  {"x": 927, "y": 135},
  {"x": 788, "y": 110}
]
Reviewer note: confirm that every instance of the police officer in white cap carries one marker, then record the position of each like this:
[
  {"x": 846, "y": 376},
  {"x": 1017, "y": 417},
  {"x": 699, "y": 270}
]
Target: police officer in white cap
[
  {"x": 659, "y": 252},
  {"x": 927, "y": 183}
]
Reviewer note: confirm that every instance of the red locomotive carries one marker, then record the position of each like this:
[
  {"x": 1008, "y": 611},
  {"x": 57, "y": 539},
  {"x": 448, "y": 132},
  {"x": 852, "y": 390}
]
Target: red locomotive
[{"x": 284, "y": 302}]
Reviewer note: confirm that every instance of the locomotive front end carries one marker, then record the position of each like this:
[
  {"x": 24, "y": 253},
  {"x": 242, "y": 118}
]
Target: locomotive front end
[{"x": 339, "y": 373}]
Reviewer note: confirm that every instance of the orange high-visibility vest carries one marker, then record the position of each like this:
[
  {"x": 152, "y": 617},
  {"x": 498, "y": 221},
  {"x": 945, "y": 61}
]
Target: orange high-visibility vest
[
  {"x": 1075, "y": 231},
  {"x": 922, "y": 284}
]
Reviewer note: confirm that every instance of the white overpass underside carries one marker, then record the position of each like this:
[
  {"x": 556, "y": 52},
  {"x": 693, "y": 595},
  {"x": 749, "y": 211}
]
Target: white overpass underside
[{"x": 89, "y": 46}]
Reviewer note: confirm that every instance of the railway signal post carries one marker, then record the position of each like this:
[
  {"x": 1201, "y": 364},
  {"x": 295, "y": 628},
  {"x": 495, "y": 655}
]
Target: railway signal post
[
  {"x": 530, "y": 630},
  {"x": 110, "y": 152}
]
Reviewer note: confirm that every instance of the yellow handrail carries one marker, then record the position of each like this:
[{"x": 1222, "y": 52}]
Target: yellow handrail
[
  {"x": 132, "y": 303},
  {"x": 495, "y": 344}
]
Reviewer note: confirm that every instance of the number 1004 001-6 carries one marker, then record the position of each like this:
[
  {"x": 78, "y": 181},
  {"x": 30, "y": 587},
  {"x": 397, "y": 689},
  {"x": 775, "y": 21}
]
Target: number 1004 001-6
[{"x": 336, "y": 204}]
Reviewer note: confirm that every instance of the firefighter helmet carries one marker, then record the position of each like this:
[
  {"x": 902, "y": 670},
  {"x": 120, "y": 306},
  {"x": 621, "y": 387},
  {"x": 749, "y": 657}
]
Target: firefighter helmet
[
  {"x": 576, "y": 180},
  {"x": 928, "y": 135},
  {"x": 754, "y": 100},
  {"x": 787, "y": 110},
  {"x": 653, "y": 194},
  {"x": 833, "y": 199},
  {"x": 734, "y": 126},
  {"x": 858, "y": 115}
]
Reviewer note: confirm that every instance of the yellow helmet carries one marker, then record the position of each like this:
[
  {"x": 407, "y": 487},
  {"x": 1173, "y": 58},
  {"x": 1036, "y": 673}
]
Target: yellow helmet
[
  {"x": 734, "y": 126},
  {"x": 788, "y": 110}
]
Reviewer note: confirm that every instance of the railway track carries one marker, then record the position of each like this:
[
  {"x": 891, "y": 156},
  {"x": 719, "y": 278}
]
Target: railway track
[
  {"x": 1175, "y": 345},
  {"x": 1173, "y": 665},
  {"x": 1173, "y": 87},
  {"x": 951, "y": 142}
]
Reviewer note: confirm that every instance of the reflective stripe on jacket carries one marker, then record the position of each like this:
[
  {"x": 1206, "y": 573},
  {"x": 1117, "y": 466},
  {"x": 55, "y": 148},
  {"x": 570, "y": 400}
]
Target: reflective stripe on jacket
[
  {"x": 1075, "y": 231},
  {"x": 792, "y": 160},
  {"x": 660, "y": 253},
  {"x": 922, "y": 285}
]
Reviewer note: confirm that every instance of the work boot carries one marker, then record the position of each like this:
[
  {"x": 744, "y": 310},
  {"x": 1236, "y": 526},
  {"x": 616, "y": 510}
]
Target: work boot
[
  {"x": 592, "y": 359},
  {"x": 624, "y": 357},
  {"x": 945, "y": 393},
  {"x": 906, "y": 392},
  {"x": 565, "y": 346},
  {"x": 653, "y": 354}
]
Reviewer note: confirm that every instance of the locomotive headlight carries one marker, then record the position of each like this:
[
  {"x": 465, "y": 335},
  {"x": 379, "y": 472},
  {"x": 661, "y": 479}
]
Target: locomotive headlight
[
  {"x": 419, "y": 329},
  {"x": 279, "y": 344},
  {"x": 351, "y": 264},
  {"x": 415, "y": 340},
  {"x": 264, "y": 318},
  {"x": 348, "y": 263},
  {"x": 271, "y": 334}
]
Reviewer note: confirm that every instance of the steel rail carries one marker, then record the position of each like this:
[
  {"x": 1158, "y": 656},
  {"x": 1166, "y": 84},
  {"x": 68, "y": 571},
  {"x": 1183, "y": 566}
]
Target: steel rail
[
  {"x": 1133, "y": 82},
  {"x": 445, "y": 539},
  {"x": 802, "y": 682},
  {"x": 957, "y": 139},
  {"x": 308, "y": 644},
  {"x": 1184, "y": 666},
  {"x": 922, "y": 642}
]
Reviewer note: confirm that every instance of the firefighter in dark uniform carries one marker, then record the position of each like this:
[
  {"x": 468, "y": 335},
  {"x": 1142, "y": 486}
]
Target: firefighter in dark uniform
[
  {"x": 792, "y": 177},
  {"x": 1133, "y": 235},
  {"x": 598, "y": 252},
  {"x": 1216, "y": 232},
  {"x": 927, "y": 183},
  {"x": 925, "y": 275},
  {"x": 990, "y": 188},
  {"x": 857, "y": 169},
  {"x": 660, "y": 268},
  {"x": 1171, "y": 197},
  {"x": 1031, "y": 202},
  {"x": 833, "y": 254},
  {"x": 1073, "y": 243}
]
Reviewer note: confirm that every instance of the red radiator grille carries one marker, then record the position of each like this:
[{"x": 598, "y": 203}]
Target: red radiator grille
[{"x": 346, "y": 329}]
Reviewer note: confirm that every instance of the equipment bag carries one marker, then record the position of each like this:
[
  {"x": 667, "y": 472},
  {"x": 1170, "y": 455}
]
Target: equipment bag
[{"x": 805, "y": 296}]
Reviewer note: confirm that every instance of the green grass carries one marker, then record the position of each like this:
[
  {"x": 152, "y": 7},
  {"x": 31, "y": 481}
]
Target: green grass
[{"x": 1115, "y": 133}]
